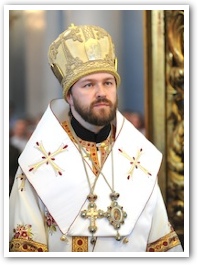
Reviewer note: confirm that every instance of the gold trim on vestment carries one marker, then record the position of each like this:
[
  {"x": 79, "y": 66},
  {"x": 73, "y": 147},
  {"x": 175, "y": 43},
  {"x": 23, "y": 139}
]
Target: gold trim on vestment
[
  {"x": 79, "y": 244},
  {"x": 164, "y": 243},
  {"x": 92, "y": 148},
  {"x": 23, "y": 245}
]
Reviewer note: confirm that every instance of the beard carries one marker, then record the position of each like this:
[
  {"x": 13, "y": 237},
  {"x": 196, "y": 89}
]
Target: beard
[{"x": 99, "y": 117}]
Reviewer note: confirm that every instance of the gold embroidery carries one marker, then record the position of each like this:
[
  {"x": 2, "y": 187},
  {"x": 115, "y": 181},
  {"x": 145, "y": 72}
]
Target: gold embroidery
[
  {"x": 48, "y": 158},
  {"x": 92, "y": 148},
  {"x": 79, "y": 244},
  {"x": 135, "y": 163},
  {"x": 164, "y": 243},
  {"x": 22, "y": 177},
  {"x": 24, "y": 245}
]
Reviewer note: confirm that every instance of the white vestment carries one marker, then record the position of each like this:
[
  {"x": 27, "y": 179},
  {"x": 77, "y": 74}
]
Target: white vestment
[{"x": 51, "y": 182}]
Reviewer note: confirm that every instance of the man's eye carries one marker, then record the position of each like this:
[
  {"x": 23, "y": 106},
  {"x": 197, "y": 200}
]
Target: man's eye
[{"x": 88, "y": 85}]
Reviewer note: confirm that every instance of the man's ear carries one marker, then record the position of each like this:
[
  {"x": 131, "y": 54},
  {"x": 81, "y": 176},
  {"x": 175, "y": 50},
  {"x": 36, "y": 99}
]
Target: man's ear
[{"x": 69, "y": 98}]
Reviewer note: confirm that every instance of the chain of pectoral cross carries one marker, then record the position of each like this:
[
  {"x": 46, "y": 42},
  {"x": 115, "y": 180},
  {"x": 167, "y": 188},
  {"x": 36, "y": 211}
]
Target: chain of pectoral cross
[
  {"x": 92, "y": 213},
  {"x": 115, "y": 213}
]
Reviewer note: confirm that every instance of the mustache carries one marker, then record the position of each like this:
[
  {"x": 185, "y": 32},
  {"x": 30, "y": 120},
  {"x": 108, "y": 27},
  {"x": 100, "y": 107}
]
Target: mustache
[{"x": 101, "y": 100}]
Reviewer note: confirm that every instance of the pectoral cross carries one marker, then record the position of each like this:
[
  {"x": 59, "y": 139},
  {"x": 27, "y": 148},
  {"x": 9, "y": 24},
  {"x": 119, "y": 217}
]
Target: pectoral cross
[{"x": 92, "y": 213}]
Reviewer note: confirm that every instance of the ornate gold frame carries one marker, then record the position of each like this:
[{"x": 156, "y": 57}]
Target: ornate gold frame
[{"x": 164, "y": 104}]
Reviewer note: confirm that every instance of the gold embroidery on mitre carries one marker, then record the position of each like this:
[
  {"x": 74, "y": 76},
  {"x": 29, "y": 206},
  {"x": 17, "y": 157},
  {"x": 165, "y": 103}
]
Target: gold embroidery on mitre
[
  {"x": 80, "y": 51},
  {"x": 92, "y": 49},
  {"x": 164, "y": 243},
  {"x": 79, "y": 244},
  {"x": 24, "y": 245}
]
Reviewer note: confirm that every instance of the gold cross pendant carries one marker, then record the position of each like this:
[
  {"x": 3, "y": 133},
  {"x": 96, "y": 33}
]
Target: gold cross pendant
[{"x": 92, "y": 213}]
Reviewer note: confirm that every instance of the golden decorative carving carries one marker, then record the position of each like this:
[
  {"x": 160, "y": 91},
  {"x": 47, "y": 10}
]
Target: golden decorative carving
[
  {"x": 164, "y": 104},
  {"x": 174, "y": 23}
]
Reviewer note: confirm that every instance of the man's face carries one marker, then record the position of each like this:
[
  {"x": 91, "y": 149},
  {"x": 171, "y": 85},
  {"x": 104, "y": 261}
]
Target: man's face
[{"x": 93, "y": 99}]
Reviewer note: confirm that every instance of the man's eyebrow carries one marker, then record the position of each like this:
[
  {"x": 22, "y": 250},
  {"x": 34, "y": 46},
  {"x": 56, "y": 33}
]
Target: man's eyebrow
[
  {"x": 109, "y": 78},
  {"x": 93, "y": 79},
  {"x": 87, "y": 80}
]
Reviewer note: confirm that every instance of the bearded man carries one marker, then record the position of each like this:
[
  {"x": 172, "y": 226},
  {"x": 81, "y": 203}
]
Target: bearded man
[{"x": 87, "y": 179}]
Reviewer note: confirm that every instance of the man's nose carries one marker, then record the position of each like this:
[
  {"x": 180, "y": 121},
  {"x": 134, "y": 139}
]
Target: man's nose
[{"x": 101, "y": 91}]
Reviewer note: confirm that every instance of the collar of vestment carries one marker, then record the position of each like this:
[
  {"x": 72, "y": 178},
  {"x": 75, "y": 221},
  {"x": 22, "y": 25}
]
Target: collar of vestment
[
  {"x": 53, "y": 165},
  {"x": 87, "y": 135}
]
